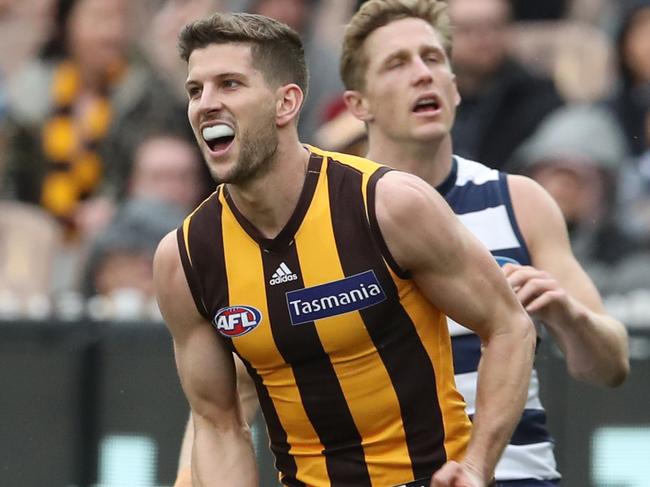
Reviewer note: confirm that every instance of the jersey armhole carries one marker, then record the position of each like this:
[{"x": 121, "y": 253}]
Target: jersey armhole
[
  {"x": 374, "y": 225},
  {"x": 505, "y": 187},
  {"x": 190, "y": 274}
]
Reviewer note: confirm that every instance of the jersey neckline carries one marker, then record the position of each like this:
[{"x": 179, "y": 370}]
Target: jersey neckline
[
  {"x": 449, "y": 182},
  {"x": 288, "y": 232}
]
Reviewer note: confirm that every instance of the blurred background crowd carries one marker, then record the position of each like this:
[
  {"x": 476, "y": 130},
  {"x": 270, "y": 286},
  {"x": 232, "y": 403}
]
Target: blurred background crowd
[{"x": 97, "y": 160}]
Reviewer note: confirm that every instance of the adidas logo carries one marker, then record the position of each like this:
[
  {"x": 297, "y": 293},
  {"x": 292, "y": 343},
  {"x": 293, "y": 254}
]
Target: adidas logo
[{"x": 282, "y": 274}]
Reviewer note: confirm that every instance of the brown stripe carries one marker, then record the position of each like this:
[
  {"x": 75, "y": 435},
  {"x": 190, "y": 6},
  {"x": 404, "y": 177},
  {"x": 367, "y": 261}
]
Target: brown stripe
[
  {"x": 390, "y": 327},
  {"x": 284, "y": 462},
  {"x": 320, "y": 391},
  {"x": 374, "y": 226},
  {"x": 190, "y": 275},
  {"x": 207, "y": 254}
]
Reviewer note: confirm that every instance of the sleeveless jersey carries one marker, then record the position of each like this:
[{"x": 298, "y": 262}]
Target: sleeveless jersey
[
  {"x": 352, "y": 365},
  {"x": 480, "y": 198}
]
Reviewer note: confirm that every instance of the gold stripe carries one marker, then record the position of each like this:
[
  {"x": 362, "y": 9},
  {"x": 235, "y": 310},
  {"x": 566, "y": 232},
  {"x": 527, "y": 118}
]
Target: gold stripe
[
  {"x": 435, "y": 340},
  {"x": 363, "y": 378},
  {"x": 186, "y": 236},
  {"x": 244, "y": 268},
  {"x": 361, "y": 164}
]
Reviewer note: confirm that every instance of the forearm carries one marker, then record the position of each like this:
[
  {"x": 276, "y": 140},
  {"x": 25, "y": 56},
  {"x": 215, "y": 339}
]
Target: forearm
[
  {"x": 503, "y": 377},
  {"x": 223, "y": 456},
  {"x": 595, "y": 345}
]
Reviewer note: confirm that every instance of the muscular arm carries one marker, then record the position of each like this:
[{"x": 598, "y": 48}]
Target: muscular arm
[
  {"x": 459, "y": 276},
  {"x": 559, "y": 293},
  {"x": 222, "y": 452},
  {"x": 249, "y": 407}
]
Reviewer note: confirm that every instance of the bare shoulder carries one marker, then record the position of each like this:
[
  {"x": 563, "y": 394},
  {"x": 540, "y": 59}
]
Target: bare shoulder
[
  {"x": 172, "y": 290},
  {"x": 167, "y": 251},
  {"x": 167, "y": 266},
  {"x": 537, "y": 213},
  {"x": 401, "y": 197},
  {"x": 529, "y": 195},
  {"x": 413, "y": 219}
]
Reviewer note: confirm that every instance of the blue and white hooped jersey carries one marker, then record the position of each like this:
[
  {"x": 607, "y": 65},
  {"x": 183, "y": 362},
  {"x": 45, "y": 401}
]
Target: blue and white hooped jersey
[{"x": 480, "y": 198}]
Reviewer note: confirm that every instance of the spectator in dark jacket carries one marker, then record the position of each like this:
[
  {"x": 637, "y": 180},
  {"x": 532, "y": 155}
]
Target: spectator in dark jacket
[
  {"x": 502, "y": 103},
  {"x": 577, "y": 155},
  {"x": 77, "y": 111},
  {"x": 631, "y": 104},
  {"x": 632, "y": 101}
]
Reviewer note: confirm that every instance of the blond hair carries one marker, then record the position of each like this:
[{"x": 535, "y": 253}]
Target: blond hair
[{"x": 374, "y": 14}]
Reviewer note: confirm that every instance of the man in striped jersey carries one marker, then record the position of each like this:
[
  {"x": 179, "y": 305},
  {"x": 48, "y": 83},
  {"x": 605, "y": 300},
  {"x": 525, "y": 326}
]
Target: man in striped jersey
[
  {"x": 395, "y": 65},
  {"x": 312, "y": 269}
]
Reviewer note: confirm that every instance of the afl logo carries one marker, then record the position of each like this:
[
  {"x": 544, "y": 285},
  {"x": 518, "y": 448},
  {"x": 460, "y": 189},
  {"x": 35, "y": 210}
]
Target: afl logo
[{"x": 235, "y": 321}]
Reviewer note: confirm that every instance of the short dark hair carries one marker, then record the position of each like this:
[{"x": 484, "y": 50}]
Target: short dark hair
[{"x": 276, "y": 48}]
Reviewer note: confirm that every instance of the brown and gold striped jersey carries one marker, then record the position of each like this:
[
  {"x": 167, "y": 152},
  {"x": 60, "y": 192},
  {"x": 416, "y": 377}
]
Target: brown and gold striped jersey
[{"x": 351, "y": 363}]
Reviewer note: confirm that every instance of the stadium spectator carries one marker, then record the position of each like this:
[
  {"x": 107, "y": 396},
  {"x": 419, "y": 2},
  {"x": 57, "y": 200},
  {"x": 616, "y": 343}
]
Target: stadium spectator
[
  {"x": 78, "y": 109},
  {"x": 119, "y": 268},
  {"x": 342, "y": 132},
  {"x": 164, "y": 166},
  {"x": 322, "y": 61},
  {"x": 159, "y": 42},
  {"x": 167, "y": 182},
  {"x": 29, "y": 242},
  {"x": 635, "y": 193},
  {"x": 502, "y": 103},
  {"x": 632, "y": 102},
  {"x": 577, "y": 155},
  {"x": 168, "y": 167},
  {"x": 547, "y": 10}
]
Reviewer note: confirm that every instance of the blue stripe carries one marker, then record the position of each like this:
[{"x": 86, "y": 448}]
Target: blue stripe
[
  {"x": 503, "y": 181},
  {"x": 531, "y": 429},
  {"x": 471, "y": 197},
  {"x": 528, "y": 483},
  {"x": 466, "y": 350}
]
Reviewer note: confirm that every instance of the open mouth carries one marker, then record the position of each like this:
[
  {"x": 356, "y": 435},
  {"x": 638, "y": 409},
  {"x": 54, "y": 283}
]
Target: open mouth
[
  {"x": 218, "y": 137},
  {"x": 427, "y": 104}
]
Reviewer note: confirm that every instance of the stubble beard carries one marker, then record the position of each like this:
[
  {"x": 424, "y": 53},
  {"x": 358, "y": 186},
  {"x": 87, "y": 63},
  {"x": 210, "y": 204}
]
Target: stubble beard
[{"x": 258, "y": 148}]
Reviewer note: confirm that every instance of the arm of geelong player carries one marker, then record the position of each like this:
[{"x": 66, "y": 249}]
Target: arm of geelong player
[
  {"x": 222, "y": 450},
  {"x": 460, "y": 277},
  {"x": 557, "y": 291}
]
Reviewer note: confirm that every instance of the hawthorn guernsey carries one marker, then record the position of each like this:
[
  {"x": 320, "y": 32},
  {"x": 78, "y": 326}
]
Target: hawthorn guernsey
[{"x": 334, "y": 298}]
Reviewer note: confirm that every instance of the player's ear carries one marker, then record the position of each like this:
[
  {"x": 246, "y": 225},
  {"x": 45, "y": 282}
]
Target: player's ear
[
  {"x": 358, "y": 105},
  {"x": 289, "y": 100},
  {"x": 457, "y": 97}
]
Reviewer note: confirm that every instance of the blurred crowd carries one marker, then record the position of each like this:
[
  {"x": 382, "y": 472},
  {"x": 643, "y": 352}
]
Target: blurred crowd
[{"x": 97, "y": 160}]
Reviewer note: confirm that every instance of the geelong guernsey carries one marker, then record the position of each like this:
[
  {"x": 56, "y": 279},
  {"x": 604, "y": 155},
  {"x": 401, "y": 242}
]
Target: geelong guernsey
[
  {"x": 480, "y": 198},
  {"x": 352, "y": 365}
]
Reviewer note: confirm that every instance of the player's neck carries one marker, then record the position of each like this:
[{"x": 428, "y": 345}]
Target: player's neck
[
  {"x": 269, "y": 200},
  {"x": 430, "y": 161}
]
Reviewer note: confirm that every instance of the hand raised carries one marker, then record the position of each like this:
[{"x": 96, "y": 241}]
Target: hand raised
[{"x": 539, "y": 292}]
